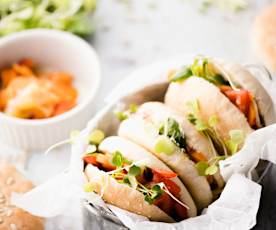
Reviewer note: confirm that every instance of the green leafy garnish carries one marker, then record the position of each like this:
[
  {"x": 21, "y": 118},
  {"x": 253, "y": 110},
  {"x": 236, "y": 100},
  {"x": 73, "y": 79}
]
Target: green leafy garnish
[
  {"x": 211, "y": 170},
  {"x": 118, "y": 160},
  {"x": 123, "y": 115},
  {"x": 152, "y": 194},
  {"x": 88, "y": 187},
  {"x": 199, "y": 68},
  {"x": 213, "y": 121},
  {"x": 237, "y": 137},
  {"x": 68, "y": 15},
  {"x": 201, "y": 167},
  {"x": 210, "y": 167},
  {"x": 132, "y": 108},
  {"x": 208, "y": 129},
  {"x": 96, "y": 136},
  {"x": 170, "y": 128},
  {"x": 134, "y": 170},
  {"x": 164, "y": 145},
  {"x": 182, "y": 74}
]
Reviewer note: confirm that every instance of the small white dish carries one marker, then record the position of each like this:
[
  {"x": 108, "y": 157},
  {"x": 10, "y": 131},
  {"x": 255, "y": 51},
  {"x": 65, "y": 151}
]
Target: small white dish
[{"x": 59, "y": 51}]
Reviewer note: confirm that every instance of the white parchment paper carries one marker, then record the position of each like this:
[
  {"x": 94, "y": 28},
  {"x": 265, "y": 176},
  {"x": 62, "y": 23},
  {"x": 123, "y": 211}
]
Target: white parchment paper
[{"x": 235, "y": 209}]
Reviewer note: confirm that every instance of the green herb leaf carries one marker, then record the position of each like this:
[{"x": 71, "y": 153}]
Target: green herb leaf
[
  {"x": 88, "y": 187},
  {"x": 117, "y": 159},
  {"x": 181, "y": 75},
  {"x": 96, "y": 136},
  {"x": 153, "y": 194},
  {"x": 237, "y": 137},
  {"x": 171, "y": 129},
  {"x": 164, "y": 145},
  {"x": 134, "y": 170},
  {"x": 201, "y": 125},
  {"x": 132, "y": 108},
  {"x": 121, "y": 116},
  {"x": 213, "y": 121},
  {"x": 201, "y": 167},
  {"x": 211, "y": 170}
]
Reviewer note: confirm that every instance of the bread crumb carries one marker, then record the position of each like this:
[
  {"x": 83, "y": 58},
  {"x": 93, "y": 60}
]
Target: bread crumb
[{"x": 1, "y": 221}]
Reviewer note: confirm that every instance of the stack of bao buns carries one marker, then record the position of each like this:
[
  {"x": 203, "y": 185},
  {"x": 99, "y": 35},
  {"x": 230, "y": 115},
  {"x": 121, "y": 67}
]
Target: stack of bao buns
[{"x": 164, "y": 162}]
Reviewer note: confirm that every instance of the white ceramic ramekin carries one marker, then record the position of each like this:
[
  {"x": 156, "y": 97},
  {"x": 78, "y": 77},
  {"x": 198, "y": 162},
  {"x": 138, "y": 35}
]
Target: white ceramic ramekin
[{"x": 59, "y": 51}]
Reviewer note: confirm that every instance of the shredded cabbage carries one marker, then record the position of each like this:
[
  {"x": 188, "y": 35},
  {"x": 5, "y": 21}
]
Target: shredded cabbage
[{"x": 68, "y": 15}]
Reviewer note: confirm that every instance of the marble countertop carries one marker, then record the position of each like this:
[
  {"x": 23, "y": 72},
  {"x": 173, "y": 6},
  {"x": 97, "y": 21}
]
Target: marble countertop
[{"x": 130, "y": 34}]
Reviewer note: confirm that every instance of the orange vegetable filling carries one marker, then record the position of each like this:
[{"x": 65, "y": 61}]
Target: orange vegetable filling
[
  {"x": 26, "y": 92},
  {"x": 242, "y": 99},
  {"x": 164, "y": 202}
]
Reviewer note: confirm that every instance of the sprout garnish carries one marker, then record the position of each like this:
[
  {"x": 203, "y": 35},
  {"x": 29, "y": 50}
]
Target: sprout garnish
[{"x": 221, "y": 149}]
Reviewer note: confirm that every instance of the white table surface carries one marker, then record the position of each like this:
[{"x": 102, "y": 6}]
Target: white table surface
[{"x": 134, "y": 34}]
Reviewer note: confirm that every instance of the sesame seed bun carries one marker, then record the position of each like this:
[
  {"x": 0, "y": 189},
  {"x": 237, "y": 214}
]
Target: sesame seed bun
[{"x": 12, "y": 217}]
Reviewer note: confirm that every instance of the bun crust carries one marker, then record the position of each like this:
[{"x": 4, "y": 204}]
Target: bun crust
[
  {"x": 135, "y": 153},
  {"x": 211, "y": 102},
  {"x": 123, "y": 196},
  {"x": 12, "y": 217},
  {"x": 134, "y": 129}
]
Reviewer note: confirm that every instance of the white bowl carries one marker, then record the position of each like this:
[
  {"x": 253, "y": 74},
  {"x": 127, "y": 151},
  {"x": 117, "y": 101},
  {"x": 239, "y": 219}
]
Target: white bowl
[{"x": 59, "y": 51}]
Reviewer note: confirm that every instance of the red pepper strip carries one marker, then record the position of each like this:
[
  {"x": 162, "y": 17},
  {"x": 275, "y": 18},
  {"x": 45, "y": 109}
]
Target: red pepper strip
[
  {"x": 99, "y": 160},
  {"x": 165, "y": 203},
  {"x": 164, "y": 176},
  {"x": 241, "y": 98},
  {"x": 91, "y": 159},
  {"x": 164, "y": 173}
]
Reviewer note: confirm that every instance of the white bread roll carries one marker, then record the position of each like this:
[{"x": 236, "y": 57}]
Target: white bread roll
[
  {"x": 135, "y": 129},
  {"x": 136, "y": 153},
  {"x": 124, "y": 196},
  {"x": 211, "y": 102}
]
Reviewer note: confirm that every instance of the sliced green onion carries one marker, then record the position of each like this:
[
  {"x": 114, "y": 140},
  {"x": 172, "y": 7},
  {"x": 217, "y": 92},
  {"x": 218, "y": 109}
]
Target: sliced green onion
[
  {"x": 164, "y": 145},
  {"x": 96, "y": 136},
  {"x": 88, "y": 187}
]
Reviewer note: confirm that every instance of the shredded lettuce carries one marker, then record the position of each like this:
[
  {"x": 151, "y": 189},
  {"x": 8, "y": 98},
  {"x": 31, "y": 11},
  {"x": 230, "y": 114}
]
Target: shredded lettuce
[{"x": 68, "y": 15}]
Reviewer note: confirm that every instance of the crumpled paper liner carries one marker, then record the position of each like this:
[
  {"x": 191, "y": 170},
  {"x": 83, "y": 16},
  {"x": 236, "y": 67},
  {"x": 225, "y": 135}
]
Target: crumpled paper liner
[{"x": 235, "y": 209}]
